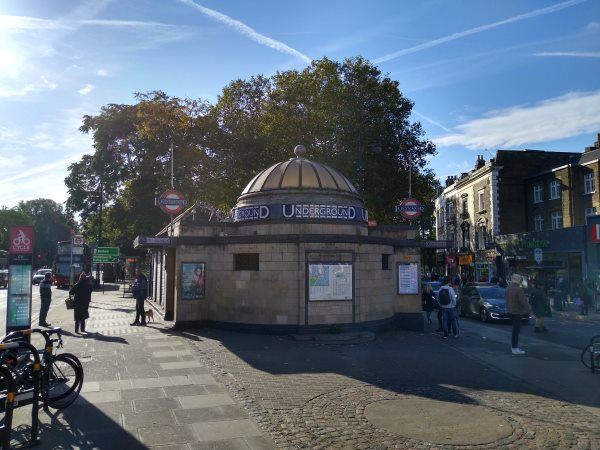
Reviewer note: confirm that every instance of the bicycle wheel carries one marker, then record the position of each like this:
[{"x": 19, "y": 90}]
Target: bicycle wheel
[{"x": 62, "y": 380}]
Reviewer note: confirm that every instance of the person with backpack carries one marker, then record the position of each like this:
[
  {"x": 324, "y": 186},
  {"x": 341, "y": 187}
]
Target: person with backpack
[
  {"x": 428, "y": 301},
  {"x": 447, "y": 302}
]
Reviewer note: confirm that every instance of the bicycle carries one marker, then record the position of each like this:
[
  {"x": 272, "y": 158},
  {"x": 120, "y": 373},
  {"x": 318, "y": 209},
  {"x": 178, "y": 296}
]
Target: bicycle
[{"x": 61, "y": 373}]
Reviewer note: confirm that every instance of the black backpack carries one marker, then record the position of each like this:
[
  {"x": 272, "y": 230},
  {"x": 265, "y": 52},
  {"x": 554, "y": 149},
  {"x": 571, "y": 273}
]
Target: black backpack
[{"x": 444, "y": 297}]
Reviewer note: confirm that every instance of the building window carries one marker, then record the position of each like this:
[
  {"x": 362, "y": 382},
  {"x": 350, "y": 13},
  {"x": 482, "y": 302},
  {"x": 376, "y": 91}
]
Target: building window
[
  {"x": 538, "y": 222},
  {"x": 452, "y": 239},
  {"x": 537, "y": 193},
  {"x": 482, "y": 200},
  {"x": 466, "y": 235},
  {"x": 557, "y": 220},
  {"x": 385, "y": 261},
  {"x": 589, "y": 183},
  {"x": 590, "y": 212},
  {"x": 481, "y": 236},
  {"x": 449, "y": 211},
  {"x": 554, "y": 189},
  {"x": 245, "y": 261},
  {"x": 465, "y": 208}
]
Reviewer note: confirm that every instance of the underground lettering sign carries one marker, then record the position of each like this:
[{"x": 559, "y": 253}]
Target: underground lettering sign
[{"x": 300, "y": 211}]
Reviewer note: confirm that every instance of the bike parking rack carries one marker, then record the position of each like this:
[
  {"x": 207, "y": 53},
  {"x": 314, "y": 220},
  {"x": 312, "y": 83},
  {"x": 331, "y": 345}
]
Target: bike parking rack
[
  {"x": 29, "y": 396},
  {"x": 593, "y": 348},
  {"x": 7, "y": 399}
]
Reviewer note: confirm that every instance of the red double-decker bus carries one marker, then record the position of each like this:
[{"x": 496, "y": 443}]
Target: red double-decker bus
[{"x": 62, "y": 262}]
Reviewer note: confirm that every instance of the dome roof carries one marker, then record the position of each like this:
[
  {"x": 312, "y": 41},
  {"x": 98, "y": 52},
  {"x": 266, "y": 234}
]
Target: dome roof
[{"x": 299, "y": 173}]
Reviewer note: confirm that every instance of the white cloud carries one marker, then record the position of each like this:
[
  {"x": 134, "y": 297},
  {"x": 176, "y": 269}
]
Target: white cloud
[
  {"x": 49, "y": 84},
  {"x": 102, "y": 73},
  {"x": 244, "y": 29},
  {"x": 593, "y": 26},
  {"x": 20, "y": 92},
  {"x": 86, "y": 89},
  {"x": 574, "y": 54},
  {"x": 556, "y": 118},
  {"x": 479, "y": 29}
]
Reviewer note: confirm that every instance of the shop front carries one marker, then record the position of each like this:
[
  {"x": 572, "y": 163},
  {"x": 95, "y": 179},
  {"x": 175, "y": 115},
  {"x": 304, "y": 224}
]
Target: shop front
[{"x": 546, "y": 256}]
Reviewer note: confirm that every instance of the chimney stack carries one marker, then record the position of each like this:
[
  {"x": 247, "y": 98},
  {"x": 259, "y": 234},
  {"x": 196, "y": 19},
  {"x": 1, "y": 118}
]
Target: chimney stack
[{"x": 480, "y": 162}]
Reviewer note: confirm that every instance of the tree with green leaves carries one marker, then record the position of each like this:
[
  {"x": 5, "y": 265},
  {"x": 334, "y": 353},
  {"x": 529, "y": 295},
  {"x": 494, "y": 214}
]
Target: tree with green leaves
[{"x": 347, "y": 114}]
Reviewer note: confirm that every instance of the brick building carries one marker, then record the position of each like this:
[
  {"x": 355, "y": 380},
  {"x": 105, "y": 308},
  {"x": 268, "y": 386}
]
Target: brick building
[{"x": 478, "y": 206}]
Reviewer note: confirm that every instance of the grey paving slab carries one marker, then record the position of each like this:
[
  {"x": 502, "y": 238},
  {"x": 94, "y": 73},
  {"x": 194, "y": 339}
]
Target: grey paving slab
[
  {"x": 205, "y": 401},
  {"x": 102, "y": 397},
  {"x": 90, "y": 386},
  {"x": 193, "y": 379},
  {"x": 170, "y": 447},
  {"x": 155, "y": 404},
  {"x": 187, "y": 389},
  {"x": 163, "y": 353},
  {"x": 181, "y": 365},
  {"x": 147, "y": 419},
  {"x": 260, "y": 443},
  {"x": 163, "y": 435},
  {"x": 141, "y": 393},
  {"x": 225, "y": 429},
  {"x": 227, "y": 444},
  {"x": 177, "y": 372},
  {"x": 151, "y": 382},
  {"x": 117, "y": 385},
  {"x": 225, "y": 412}
]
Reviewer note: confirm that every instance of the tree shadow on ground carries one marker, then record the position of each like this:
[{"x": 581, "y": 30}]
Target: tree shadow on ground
[
  {"x": 104, "y": 338},
  {"x": 397, "y": 360}
]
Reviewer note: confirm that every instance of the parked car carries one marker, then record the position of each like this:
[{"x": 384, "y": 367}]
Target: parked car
[
  {"x": 483, "y": 300},
  {"x": 4, "y": 278},
  {"x": 39, "y": 275}
]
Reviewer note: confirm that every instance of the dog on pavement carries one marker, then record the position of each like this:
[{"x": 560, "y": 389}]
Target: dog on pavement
[{"x": 149, "y": 315}]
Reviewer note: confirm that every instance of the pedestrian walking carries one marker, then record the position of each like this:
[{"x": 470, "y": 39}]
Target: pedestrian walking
[
  {"x": 140, "y": 292},
  {"x": 428, "y": 299},
  {"x": 540, "y": 306},
  {"x": 447, "y": 301},
  {"x": 46, "y": 299},
  {"x": 516, "y": 307},
  {"x": 81, "y": 294},
  {"x": 586, "y": 297}
]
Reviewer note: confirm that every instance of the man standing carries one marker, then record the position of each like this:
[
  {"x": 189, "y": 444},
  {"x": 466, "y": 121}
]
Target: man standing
[
  {"x": 447, "y": 302},
  {"x": 46, "y": 298},
  {"x": 516, "y": 307},
  {"x": 140, "y": 292}
]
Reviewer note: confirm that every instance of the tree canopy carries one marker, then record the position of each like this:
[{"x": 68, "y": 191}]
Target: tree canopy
[{"x": 347, "y": 114}]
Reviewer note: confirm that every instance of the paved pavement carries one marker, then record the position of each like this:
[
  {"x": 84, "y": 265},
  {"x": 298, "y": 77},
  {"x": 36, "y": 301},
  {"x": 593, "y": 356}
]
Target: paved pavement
[
  {"x": 143, "y": 388},
  {"x": 154, "y": 387}
]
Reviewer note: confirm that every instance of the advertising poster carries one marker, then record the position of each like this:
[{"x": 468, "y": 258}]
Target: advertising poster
[
  {"x": 330, "y": 281},
  {"x": 193, "y": 277},
  {"x": 408, "y": 278}
]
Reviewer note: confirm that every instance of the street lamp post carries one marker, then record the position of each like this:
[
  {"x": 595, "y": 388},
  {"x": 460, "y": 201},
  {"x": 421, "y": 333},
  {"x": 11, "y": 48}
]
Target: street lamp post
[{"x": 99, "y": 239}]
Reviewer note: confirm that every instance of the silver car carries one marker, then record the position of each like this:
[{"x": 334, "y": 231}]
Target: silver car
[{"x": 39, "y": 275}]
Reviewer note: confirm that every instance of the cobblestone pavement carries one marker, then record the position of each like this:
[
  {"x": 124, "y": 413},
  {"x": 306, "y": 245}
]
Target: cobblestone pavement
[{"x": 308, "y": 395}]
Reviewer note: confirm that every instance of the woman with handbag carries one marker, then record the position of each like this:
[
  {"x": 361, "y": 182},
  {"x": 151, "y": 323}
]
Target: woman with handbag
[{"x": 81, "y": 294}]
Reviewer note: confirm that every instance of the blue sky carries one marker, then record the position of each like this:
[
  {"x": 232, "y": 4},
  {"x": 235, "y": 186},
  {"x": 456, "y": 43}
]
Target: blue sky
[{"x": 483, "y": 75}]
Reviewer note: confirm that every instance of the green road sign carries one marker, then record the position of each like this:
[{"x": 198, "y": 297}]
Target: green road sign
[{"x": 106, "y": 255}]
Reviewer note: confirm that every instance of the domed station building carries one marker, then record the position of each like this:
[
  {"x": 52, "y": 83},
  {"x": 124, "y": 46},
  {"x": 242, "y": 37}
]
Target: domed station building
[{"x": 296, "y": 254}]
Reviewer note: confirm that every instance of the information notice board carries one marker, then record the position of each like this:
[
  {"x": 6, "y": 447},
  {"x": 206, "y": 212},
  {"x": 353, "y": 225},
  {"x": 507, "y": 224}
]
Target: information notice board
[
  {"x": 329, "y": 281},
  {"x": 408, "y": 278},
  {"x": 18, "y": 301}
]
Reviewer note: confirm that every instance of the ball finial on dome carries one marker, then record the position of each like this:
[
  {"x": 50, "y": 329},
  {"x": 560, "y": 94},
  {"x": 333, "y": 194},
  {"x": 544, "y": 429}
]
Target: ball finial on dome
[{"x": 299, "y": 151}]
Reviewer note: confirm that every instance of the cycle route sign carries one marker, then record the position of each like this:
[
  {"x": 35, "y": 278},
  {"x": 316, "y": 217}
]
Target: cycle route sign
[{"x": 18, "y": 302}]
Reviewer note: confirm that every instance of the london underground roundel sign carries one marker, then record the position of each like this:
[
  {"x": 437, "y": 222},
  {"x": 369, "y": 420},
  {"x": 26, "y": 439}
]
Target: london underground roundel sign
[
  {"x": 172, "y": 202},
  {"x": 410, "y": 208}
]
